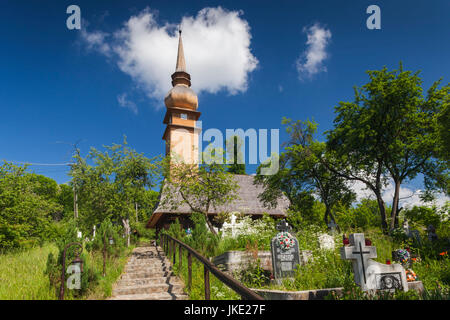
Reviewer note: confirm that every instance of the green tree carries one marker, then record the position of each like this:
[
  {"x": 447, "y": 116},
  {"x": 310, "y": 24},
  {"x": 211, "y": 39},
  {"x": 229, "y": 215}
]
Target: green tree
[
  {"x": 236, "y": 159},
  {"x": 201, "y": 187},
  {"x": 65, "y": 199},
  {"x": 25, "y": 215},
  {"x": 111, "y": 187},
  {"x": 302, "y": 172},
  {"x": 388, "y": 132}
]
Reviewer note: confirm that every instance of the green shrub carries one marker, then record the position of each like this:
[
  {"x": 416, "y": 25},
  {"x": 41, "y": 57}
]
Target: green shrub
[
  {"x": 201, "y": 238},
  {"x": 106, "y": 232},
  {"x": 53, "y": 270},
  {"x": 253, "y": 275}
]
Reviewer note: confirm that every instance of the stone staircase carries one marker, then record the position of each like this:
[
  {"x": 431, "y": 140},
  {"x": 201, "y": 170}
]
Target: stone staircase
[{"x": 148, "y": 276}]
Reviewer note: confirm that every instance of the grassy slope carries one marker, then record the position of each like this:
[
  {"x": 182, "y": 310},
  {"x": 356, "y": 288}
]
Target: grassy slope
[{"x": 22, "y": 275}]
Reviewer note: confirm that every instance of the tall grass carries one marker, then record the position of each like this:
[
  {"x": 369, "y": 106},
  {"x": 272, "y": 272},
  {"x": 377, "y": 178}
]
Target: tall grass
[
  {"x": 218, "y": 290},
  {"x": 22, "y": 274},
  {"x": 114, "y": 268}
]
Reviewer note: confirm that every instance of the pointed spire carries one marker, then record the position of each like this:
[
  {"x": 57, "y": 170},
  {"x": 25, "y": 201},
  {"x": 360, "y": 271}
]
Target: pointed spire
[
  {"x": 180, "y": 76},
  {"x": 181, "y": 63}
]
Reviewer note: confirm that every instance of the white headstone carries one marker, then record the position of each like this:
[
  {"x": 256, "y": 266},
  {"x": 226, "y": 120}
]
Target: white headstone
[
  {"x": 326, "y": 242},
  {"x": 369, "y": 274}
]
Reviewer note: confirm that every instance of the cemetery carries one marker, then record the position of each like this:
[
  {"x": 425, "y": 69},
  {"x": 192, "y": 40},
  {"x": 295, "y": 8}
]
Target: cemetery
[{"x": 355, "y": 210}]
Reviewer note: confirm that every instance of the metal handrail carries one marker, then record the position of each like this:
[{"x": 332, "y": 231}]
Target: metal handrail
[{"x": 232, "y": 283}]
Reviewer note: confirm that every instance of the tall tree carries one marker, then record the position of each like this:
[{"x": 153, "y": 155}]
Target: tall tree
[
  {"x": 302, "y": 172},
  {"x": 114, "y": 183},
  {"x": 388, "y": 132},
  {"x": 235, "y": 155},
  {"x": 201, "y": 187},
  {"x": 27, "y": 206}
]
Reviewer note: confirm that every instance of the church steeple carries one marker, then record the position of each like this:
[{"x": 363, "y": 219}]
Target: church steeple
[
  {"x": 180, "y": 76},
  {"x": 181, "y": 134},
  {"x": 181, "y": 63}
]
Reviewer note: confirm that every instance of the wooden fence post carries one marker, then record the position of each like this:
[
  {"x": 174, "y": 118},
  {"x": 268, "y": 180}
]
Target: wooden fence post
[
  {"x": 206, "y": 280},
  {"x": 189, "y": 270},
  {"x": 174, "y": 252},
  {"x": 180, "y": 258}
]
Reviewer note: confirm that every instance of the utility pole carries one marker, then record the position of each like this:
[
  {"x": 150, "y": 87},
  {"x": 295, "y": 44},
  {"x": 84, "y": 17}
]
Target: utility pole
[{"x": 75, "y": 202}]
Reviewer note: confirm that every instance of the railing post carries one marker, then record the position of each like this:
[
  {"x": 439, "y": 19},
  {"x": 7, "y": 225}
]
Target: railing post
[
  {"x": 174, "y": 252},
  {"x": 180, "y": 258},
  {"x": 206, "y": 280},
  {"x": 164, "y": 244},
  {"x": 167, "y": 245},
  {"x": 189, "y": 270}
]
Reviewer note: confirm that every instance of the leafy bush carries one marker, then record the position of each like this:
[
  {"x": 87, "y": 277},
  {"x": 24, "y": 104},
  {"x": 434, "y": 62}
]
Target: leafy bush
[
  {"x": 424, "y": 216},
  {"x": 88, "y": 277},
  {"x": 253, "y": 275},
  {"x": 256, "y": 233},
  {"x": 141, "y": 232},
  {"x": 106, "y": 232},
  {"x": 28, "y": 203},
  {"x": 201, "y": 239}
]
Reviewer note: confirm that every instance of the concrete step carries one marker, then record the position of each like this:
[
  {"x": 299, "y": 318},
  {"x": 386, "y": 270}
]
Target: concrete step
[
  {"x": 152, "y": 296},
  {"x": 148, "y": 276},
  {"x": 150, "y": 263},
  {"x": 147, "y": 281},
  {"x": 145, "y": 274},
  {"x": 152, "y": 288},
  {"x": 149, "y": 268}
]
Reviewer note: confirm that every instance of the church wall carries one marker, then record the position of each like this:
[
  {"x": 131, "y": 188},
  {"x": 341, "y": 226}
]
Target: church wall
[{"x": 184, "y": 142}]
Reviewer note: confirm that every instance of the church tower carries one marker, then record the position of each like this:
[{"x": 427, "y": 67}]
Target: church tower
[{"x": 181, "y": 134}]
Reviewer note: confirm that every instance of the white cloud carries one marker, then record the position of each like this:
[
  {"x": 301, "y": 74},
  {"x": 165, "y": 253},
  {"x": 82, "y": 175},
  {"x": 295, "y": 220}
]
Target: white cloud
[
  {"x": 96, "y": 41},
  {"x": 409, "y": 197},
  {"x": 124, "y": 102},
  {"x": 216, "y": 46},
  {"x": 311, "y": 61},
  {"x": 361, "y": 191}
]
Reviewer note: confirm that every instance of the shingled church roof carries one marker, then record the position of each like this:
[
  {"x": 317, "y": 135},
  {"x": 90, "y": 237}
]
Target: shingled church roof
[{"x": 247, "y": 202}]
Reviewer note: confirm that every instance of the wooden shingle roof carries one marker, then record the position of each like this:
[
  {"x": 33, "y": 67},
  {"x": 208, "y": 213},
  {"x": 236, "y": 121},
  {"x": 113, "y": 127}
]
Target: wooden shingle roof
[{"x": 247, "y": 202}]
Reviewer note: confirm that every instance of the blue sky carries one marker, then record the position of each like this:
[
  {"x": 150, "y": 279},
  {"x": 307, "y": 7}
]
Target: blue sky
[{"x": 57, "y": 88}]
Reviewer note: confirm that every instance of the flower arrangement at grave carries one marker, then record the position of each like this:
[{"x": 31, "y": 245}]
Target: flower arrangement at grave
[
  {"x": 410, "y": 275},
  {"x": 402, "y": 255},
  {"x": 285, "y": 240}
]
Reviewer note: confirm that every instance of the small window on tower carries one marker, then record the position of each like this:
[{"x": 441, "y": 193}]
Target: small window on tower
[{"x": 183, "y": 116}]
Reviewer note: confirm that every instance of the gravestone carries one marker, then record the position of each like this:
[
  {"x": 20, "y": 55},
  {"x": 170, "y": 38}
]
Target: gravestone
[
  {"x": 332, "y": 226},
  {"x": 432, "y": 236},
  {"x": 326, "y": 242},
  {"x": 414, "y": 234},
  {"x": 369, "y": 274},
  {"x": 285, "y": 253}
]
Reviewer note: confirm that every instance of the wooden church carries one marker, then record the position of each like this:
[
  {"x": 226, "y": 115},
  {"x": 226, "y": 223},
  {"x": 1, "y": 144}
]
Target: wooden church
[{"x": 182, "y": 136}]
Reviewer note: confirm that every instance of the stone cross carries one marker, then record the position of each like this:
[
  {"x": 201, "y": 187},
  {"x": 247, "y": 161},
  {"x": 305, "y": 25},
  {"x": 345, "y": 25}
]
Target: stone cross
[
  {"x": 369, "y": 274},
  {"x": 360, "y": 254},
  {"x": 332, "y": 225},
  {"x": 283, "y": 226}
]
